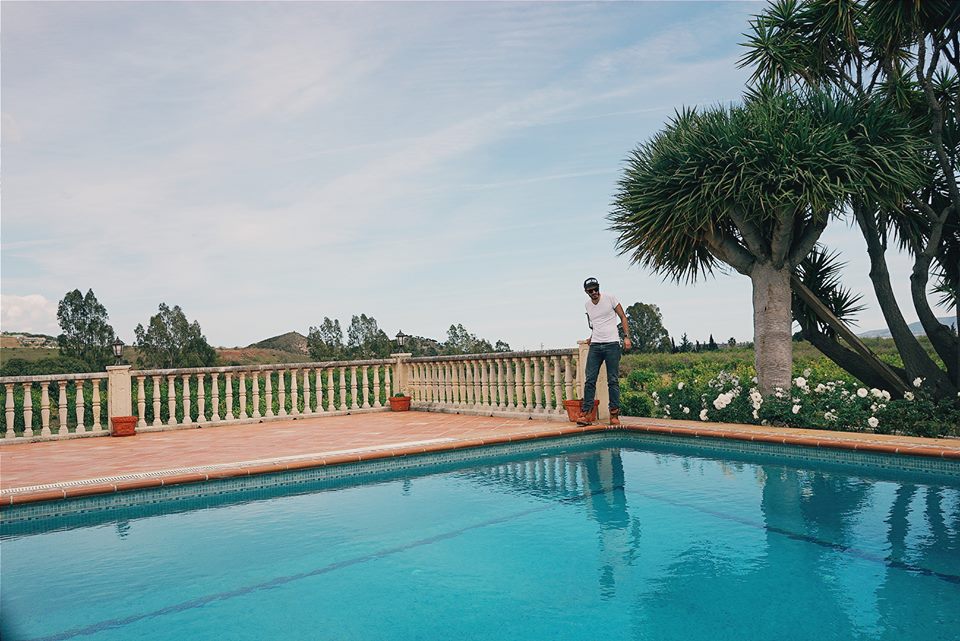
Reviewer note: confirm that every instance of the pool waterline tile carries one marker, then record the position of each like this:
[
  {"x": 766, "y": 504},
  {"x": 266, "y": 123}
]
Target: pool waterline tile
[{"x": 227, "y": 452}]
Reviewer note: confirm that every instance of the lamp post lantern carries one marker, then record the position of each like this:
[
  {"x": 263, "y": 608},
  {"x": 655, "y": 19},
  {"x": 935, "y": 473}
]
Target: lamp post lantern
[
  {"x": 401, "y": 337},
  {"x": 117, "y": 348}
]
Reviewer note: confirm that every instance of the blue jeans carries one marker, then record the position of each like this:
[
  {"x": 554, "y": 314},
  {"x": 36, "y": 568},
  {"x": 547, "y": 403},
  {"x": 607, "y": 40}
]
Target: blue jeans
[{"x": 608, "y": 353}]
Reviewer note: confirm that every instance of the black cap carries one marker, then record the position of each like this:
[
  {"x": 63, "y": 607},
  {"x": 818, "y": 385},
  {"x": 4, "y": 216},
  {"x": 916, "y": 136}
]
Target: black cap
[{"x": 590, "y": 283}]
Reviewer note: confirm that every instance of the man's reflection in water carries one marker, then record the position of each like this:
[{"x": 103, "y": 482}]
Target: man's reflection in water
[{"x": 607, "y": 504}]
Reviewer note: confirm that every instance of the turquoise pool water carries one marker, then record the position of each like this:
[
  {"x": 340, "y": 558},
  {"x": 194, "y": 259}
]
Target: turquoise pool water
[{"x": 611, "y": 538}]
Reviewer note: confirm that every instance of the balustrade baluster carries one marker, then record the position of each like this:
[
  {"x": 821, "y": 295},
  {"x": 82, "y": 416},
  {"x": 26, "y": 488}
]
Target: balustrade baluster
[
  {"x": 468, "y": 383},
  {"x": 509, "y": 380},
  {"x": 242, "y": 414},
  {"x": 78, "y": 405},
  {"x": 282, "y": 392},
  {"x": 446, "y": 394},
  {"x": 27, "y": 409},
  {"x": 475, "y": 381},
  {"x": 500, "y": 390},
  {"x": 518, "y": 379},
  {"x": 185, "y": 400},
  {"x": 294, "y": 404},
  {"x": 568, "y": 379},
  {"x": 387, "y": 383},
  {"x": 365, "y": 385},
  {"x": 268, "y": 392},
  {"x": 255, "y": 384},
  {"x": 528, "y": 384},
  {"x": 306, "y": 391},
  {"x": 201, "y": 399},
  {"x": 9, "y": 408},
  {"x": 547, "y": 386},
  {"x": 353, "y": 388},
  {"x": 62, "y": 426},
  {"x": 484, "y": 385},
  {"x": 449, "y": 372},
  {"x": 557, "y": 385},
  {"x": 44, "y": 409},
  {"x": 464, "y": 383},
  {"x": 455, "y": 384},
  {"x": 215, "y": 397},
  {"x": 330, "y": 405},
  {"x": 343, "y": 389},
  {"x": 171, "y": 400},
  {"x": 141, "y": 402},
  {"x": 228, "y": 393},
  {"x": 376, "y": 386},
  {"x": 95, "y": 401},
  {"x": 537, "y": 386},
  {"x": 156, "y": 401},
  {"x": 319, "y": 377}
]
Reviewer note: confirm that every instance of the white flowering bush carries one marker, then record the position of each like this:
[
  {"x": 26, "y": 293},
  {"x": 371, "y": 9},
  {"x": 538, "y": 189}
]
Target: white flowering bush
[{"x": 834, "y": 404}]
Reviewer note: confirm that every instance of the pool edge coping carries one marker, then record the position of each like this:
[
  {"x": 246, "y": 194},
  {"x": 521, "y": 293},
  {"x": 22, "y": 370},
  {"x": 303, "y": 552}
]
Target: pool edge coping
[{"x": 198, "y": 474}]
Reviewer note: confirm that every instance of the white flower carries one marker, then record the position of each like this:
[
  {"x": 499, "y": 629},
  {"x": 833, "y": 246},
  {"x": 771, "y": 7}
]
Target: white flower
[
  {"x": 756, "y": 414},
  {"x": 800, "y": 382},
  {"x": 754, "y": 379},
  {"x": 680, "y": 385},
  {"x": 917, "y": 382},
  {"x": 703, "y": 415},
  {"x": 807, "y": 372},
  {"x": 819, "y": 389},
  {"x": 873, "y": 408},
  {"x": 877, "y": 393},
  {"x": 795, "y": 409},
  {"x": 908, "y": 396},
  {"x": 686, "y": 410},
  {"x": 886, "y": 395},
  {"x": 872, "y": 421},
  {"x": 862, "y": 392}
]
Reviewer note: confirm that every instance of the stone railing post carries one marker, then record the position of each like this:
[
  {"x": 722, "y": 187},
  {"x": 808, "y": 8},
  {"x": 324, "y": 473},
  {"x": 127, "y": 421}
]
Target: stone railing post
[
  {"x": 401, "y": 372},
  {"x": 119, "y": 402},
  {"x": 603, "y": 394}
]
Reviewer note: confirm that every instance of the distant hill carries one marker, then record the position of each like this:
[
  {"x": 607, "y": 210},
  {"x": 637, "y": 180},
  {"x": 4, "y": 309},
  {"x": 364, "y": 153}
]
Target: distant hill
[
  {"x": 26, "y": 339},
  {"x": 916, "y": 328},
  {"x": 293, "y": 342}
]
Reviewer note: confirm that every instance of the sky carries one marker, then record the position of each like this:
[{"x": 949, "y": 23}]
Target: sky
[{"x": 266, "y": 165}]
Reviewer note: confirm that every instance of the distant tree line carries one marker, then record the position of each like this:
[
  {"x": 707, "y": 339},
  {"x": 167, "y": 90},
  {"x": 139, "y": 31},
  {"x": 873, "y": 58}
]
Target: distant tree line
[
  {"x": 86, "y": 340},
  {"x": 365, "y": 339},
  {"x": 648, "y": 334}
]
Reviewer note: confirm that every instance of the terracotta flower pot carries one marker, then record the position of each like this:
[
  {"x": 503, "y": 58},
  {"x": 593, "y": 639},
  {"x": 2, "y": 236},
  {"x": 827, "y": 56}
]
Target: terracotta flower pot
[
  {"x": 400, "y": 403},
  {"x": 573, "y": 409},
  {"x": 123, "y": 426}
]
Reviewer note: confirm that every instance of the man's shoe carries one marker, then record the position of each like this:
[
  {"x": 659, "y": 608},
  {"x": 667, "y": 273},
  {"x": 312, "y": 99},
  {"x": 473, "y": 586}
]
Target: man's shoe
[
  {"x": 583, "y": 420},
  {"x": 614, "y": 418}
]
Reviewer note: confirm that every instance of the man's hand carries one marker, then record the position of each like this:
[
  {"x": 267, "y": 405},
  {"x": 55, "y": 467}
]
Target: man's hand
[{"x": 627, "y": 344}]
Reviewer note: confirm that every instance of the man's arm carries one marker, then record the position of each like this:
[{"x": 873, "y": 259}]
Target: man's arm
[{"x": 627, "y": 343}]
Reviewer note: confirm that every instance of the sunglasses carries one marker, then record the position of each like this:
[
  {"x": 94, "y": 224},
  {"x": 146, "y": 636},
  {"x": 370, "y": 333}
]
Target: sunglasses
[{"x": 591, "y": 292}]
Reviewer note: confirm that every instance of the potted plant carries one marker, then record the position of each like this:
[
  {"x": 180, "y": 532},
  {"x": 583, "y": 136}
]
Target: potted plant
[
  {"x": 572, "y": 406},
  {"x": 123, "y": 425},
  {"x": 400, "y": 402}
]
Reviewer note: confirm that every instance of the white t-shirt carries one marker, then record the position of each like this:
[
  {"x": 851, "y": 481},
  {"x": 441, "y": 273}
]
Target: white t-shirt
[{"x": 604, "y": 319}]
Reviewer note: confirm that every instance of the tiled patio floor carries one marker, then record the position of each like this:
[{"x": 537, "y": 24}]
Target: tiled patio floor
[{"x": 29, "y": 471}]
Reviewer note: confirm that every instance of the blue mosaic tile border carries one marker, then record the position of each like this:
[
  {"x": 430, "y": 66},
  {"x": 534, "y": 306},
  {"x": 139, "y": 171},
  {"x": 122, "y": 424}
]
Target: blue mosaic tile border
[{"x": 206, "y": 494}]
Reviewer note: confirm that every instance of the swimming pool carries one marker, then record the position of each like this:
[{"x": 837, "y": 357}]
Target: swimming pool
[{"x": 598, "y": 537}]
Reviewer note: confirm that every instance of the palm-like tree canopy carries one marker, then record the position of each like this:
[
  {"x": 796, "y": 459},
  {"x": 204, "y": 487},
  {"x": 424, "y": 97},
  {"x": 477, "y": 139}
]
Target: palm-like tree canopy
[{"x": 758, "y": 181}]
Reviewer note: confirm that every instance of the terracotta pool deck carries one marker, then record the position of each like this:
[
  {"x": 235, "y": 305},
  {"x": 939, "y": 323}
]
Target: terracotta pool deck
[{"x": 51, "y": 470}]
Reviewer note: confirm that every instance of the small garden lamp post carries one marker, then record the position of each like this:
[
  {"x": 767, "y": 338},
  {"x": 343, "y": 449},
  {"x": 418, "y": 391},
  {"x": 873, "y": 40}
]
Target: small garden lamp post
[
  {"x": 117, "y": 348},
  {"x": 401, "y": 337},
  {"x": 400, "y": 402}
]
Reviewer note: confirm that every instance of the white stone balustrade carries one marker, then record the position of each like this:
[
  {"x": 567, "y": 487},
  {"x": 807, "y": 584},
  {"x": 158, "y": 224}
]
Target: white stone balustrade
[
  {"x": 61, "y": 406},
  {"x": 53, "y": 406},
  {"x": 529, "y": 384}
]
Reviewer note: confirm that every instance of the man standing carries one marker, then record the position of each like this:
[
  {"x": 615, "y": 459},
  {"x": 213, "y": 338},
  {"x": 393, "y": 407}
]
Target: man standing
[{"x": 602, "y": 313}]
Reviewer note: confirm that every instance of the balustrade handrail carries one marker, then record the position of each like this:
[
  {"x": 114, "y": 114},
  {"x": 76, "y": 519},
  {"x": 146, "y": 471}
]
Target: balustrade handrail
[
  {"x": 492, "y": 355},
  {"x": 260, "y": 368},
  {"x": 53, "y": 378}
]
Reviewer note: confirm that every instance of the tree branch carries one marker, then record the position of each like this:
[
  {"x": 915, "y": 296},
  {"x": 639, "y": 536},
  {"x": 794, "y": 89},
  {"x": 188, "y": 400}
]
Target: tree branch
[
  {"x": 811, "y": 234},
  {"x": 726, "y": 248},
  {"x": 752, "y": 236},
  {"x": 783, "y": 227}
]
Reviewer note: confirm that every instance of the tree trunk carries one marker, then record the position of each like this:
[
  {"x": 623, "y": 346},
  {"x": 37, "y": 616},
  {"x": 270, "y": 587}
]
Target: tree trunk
[
  {"x": 850, "y": 361},
  {"x": 916, "y": 361},
  {"x": 772, "y": 321}
]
